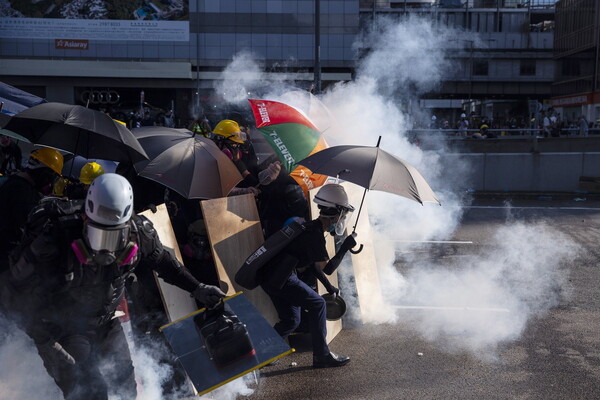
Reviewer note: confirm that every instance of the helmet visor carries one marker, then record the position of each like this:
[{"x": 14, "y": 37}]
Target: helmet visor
[
  {"x": 109, "y": 238},
  {"x": 342, "y": 221}
]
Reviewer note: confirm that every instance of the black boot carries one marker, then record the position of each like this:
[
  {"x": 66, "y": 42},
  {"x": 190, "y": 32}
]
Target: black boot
[{"x": 330, "y": 360}]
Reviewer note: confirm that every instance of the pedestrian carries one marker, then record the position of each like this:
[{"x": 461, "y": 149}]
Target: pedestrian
[
  {"x": 463, "y": 125},
  {"x": 289, "y": 294},
  {"x": 66, "y": 282},
  {"x": 20, "y": 194},
  {"x": 583, "y": 126},
  {"x": 10, "y": 156},
  {"x": 546, "y": 125}
]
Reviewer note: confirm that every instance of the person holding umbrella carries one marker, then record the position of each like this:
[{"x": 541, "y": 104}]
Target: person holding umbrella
[
  {"x": 21, "y": 193},
  {"x": 87, "y": 174},
  {"x": 66, "y": 282},
  {"x": 290, "y": 295}
]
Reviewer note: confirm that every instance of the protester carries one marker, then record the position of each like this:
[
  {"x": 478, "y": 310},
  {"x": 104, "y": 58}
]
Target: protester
[
  {"x": 21, "y": 193},
  {"x": 289, "y": 294},
  {"x": 87, "y": 174},
  {"x": 233, "y": 141},
  {"x": 68, "y": 277},
  {"x": 10, "y": 156}
]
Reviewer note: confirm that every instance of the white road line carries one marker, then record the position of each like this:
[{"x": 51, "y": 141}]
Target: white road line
[
  {"x": 433, "y": 241},
  {"x": 534, "y": 208},
  {"x": 504, "y": 310}
]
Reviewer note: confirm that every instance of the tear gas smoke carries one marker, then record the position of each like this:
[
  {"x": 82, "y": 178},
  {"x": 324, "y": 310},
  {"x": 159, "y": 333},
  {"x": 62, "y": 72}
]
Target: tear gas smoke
[
  {"x": 404, "y": 59},
  {"x": 22, "y": 374},
  {"x": 487, "y": 299}
]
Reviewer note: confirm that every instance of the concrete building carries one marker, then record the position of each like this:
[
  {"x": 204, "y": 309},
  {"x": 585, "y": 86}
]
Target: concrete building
[
  {"x": 576, "y": 90},
  {"x": 106, "y": 63},
  {"x": 506, "y": 70}
]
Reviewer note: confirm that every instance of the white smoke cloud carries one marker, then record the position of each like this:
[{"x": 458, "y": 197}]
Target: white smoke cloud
[
  {"x": 22, "y": 372},
  {"x": 485, "y": 300}
]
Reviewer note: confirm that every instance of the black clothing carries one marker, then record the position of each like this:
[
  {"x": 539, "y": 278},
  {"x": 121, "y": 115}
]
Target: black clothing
[
  {"x": 145, "y": 191},
  {"x": 59, "y": 298},
  {"x": 106, "y": 345},
  {"x": 280, "y": 200},
  {"x": 18, "y": 197},
  {"x": 11, "y": 157},
  {"x": 295, "y": 295}
]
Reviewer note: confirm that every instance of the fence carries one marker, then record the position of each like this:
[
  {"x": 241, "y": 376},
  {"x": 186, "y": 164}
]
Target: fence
[{"x": 501, "y": 133}]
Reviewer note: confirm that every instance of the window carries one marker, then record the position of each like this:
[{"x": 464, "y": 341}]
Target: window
[
  {"x": 480, "y": 67},
  {"x": 527, "y": 68}
]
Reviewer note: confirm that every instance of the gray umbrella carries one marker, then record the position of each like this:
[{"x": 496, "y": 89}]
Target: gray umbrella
[
  {"x": 373, "y": 169},
  {"x": 192, "y": 166}
]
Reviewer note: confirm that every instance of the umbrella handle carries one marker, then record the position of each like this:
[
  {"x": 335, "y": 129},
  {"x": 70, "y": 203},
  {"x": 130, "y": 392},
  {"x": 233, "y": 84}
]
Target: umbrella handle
[{"x": 357, "y": 251}]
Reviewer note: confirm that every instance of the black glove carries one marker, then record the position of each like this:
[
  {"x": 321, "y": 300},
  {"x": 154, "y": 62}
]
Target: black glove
[
  {"x": 348, "y": 243},
  {"x": 54, "y": 350},
  {"x": 208, "y": 295},
  {"x": 333, "y": 290}
]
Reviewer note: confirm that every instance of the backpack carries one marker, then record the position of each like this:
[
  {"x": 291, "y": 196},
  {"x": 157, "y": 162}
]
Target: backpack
[
  {"x": 58, "y": 216},
  {"x": 249, "y": 275}
]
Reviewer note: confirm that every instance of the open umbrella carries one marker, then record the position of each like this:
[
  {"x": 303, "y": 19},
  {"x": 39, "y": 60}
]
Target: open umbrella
[
  {"x": 292, "y": 136},
  {"x": 373, "y": 169},
  {"x": 191, "y": 165},
  {"x": 13, "y": 100},
  {"x": 78, "y": 130}
]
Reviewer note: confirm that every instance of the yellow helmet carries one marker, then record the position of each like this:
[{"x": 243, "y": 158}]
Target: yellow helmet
[
  {"x": 229, "y": 129},
  {"x": 51, "y": 158},
  {"x": 89, "y": 172}
]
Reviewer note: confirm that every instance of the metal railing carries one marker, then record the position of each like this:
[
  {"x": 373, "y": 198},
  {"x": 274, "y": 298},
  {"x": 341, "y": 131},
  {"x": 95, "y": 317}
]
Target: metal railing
[{"x": 504, "y": 133}]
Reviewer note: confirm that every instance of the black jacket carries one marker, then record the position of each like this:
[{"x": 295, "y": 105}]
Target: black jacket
[
  {"x": 18, "y": 197},
  {"x": 55, "y": 293}
]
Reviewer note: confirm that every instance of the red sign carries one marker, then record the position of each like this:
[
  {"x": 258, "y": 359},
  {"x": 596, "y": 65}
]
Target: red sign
[
  {"x": 71, "y": 44},
  {"x": 571, "y": 101}
]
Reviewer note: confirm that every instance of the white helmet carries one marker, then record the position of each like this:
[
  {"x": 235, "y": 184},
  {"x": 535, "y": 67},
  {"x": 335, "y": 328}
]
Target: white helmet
[
  {"x": 333, "y": 202},
  {"x": 463, "y": 115},
  {"x": 109, "y": 200},
  {"x": 333, "y": 195}
]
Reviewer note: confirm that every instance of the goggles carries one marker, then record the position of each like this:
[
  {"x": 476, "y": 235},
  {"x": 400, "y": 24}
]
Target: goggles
[{"x": 106, "y": 238}]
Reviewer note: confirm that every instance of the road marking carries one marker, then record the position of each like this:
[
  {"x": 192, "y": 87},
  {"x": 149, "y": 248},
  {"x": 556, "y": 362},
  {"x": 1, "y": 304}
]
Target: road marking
[
  {"x": 535, "y": 208},
  {"x": 504, "y": 310},
  {"x": 433, "y": 241}
]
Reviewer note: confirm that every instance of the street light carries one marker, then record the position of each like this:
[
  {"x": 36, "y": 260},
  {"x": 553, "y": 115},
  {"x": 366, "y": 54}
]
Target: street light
[{"x": 317, "y": 66}]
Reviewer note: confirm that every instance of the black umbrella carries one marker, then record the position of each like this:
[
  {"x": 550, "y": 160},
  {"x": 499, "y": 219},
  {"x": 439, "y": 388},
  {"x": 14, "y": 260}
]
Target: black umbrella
[
  {"x": 371, "y": 168},
  {"x": 78, "y": 130},
  {"x": 192, "y": 166}
]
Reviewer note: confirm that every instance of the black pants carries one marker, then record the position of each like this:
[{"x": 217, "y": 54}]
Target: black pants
[
  {"x": 103, "y": 364},
  {"x": 294, "y": 296}
]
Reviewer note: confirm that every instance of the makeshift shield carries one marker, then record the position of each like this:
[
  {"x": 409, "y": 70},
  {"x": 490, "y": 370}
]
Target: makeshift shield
[{"x": 216, "y": 350}]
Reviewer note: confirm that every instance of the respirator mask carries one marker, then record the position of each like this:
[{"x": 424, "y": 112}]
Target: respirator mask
[{"x": 104, "y": 245}]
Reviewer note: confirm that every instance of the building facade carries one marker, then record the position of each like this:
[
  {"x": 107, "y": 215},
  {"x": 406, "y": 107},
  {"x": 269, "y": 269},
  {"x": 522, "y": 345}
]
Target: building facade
[
  {"x": 576, "y": 90},
  {"x": 104, "y": 55}
]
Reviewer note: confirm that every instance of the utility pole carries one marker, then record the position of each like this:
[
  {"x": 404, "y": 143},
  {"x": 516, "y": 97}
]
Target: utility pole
[{"x": 317, "y": 66}]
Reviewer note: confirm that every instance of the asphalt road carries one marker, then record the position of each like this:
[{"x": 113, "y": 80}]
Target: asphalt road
[{"x": 555, "y": 356}]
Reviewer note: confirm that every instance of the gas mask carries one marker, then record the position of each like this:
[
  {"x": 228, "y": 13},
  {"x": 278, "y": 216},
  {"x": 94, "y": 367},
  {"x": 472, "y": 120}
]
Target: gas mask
[{"x": 104, "y": 245}]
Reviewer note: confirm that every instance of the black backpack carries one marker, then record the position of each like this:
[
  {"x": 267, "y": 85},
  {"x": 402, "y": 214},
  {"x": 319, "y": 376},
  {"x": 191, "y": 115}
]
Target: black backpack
[{"x": 225, "y": 336}]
